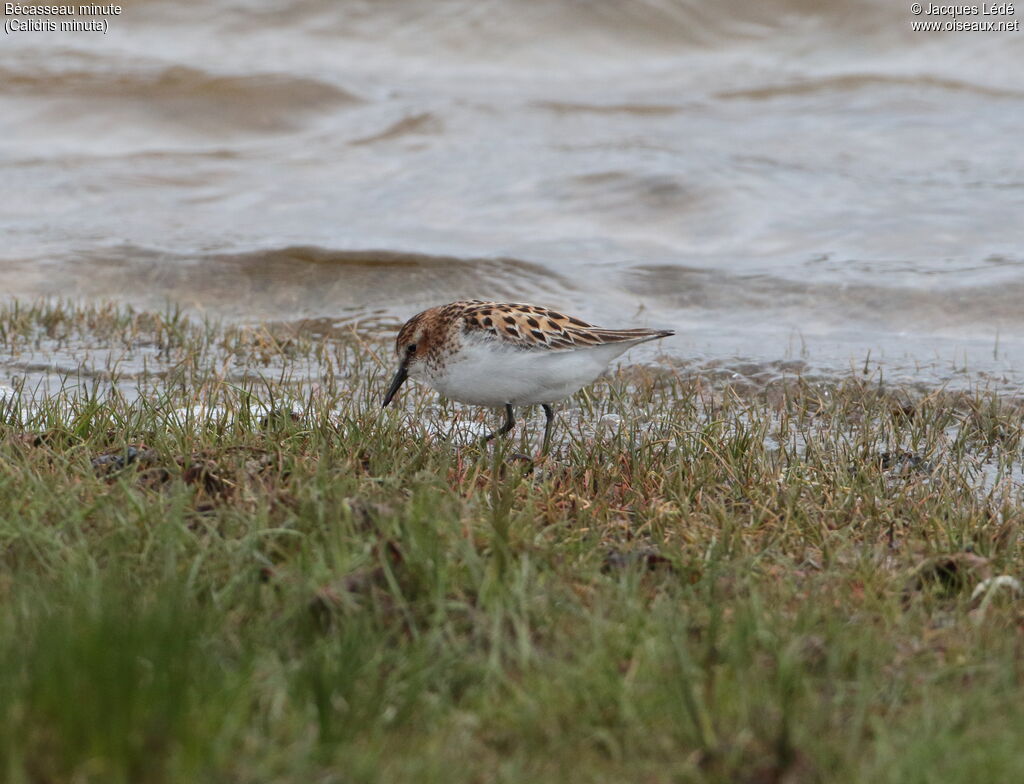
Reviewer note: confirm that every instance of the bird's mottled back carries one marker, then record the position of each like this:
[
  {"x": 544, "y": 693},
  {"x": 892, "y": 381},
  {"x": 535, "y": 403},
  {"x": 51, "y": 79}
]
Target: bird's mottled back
[{"x": 534, "y": 327}]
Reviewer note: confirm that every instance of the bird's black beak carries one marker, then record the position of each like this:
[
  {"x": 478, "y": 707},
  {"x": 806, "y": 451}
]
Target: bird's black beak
[{"x": 396, "y": 382}]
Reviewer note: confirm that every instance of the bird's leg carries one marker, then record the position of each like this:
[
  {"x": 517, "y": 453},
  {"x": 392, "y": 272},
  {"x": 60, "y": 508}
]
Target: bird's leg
[
  {"x": 510, "y": 422},
  {"x": 549, "y": 413}
]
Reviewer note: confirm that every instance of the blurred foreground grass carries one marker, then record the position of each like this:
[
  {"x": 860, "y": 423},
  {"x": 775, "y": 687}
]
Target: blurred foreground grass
[{"x": 220, "y": 561}]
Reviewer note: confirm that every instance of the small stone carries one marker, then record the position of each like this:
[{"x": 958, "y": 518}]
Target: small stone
[{"x": 115, "y": 461}]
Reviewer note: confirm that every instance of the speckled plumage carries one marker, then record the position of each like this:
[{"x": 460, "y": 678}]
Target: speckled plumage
[
  {"x": 500, "y": 354},
  {"x": 524, "y": 326}
]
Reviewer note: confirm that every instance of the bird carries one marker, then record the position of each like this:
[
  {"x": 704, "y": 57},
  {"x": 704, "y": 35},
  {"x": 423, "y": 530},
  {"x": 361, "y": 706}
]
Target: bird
[{"x": 507, "y": 355}]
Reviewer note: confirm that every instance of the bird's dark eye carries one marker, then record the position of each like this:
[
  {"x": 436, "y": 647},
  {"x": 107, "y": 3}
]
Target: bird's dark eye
[{"x": 412, "y": 348}]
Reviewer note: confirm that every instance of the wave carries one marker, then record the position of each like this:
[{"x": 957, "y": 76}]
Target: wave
[
  {"x": 633, "y": 109},
  {"x": 182, "y": 96},
  {"x": 297, "y": 280},
  {"x": 496, "y": 27},
  {"x": 420, "y": 124},
  {"x": 850, "y": 82},
  {"x": 760, "y": 298}
]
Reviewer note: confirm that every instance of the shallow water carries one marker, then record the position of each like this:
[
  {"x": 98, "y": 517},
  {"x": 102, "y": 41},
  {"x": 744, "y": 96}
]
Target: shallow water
[{"x": 790, "y": 181}]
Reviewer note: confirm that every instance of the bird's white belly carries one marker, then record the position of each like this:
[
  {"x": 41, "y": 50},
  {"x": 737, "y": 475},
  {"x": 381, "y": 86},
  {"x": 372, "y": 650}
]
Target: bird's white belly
[{"x": 481, "y": 375}]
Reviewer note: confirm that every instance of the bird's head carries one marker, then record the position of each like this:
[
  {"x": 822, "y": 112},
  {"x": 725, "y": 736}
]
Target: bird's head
[{"x": 411, "y": 348}]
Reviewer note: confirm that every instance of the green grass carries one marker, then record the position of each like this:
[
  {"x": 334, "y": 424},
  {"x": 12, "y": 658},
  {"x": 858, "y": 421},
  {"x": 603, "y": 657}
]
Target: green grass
[{"x": 729, "y": 585}]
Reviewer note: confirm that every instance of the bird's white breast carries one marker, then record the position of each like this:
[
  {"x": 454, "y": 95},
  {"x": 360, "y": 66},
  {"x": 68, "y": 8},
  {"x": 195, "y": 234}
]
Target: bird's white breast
[{"x": 485, "y": 373}]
